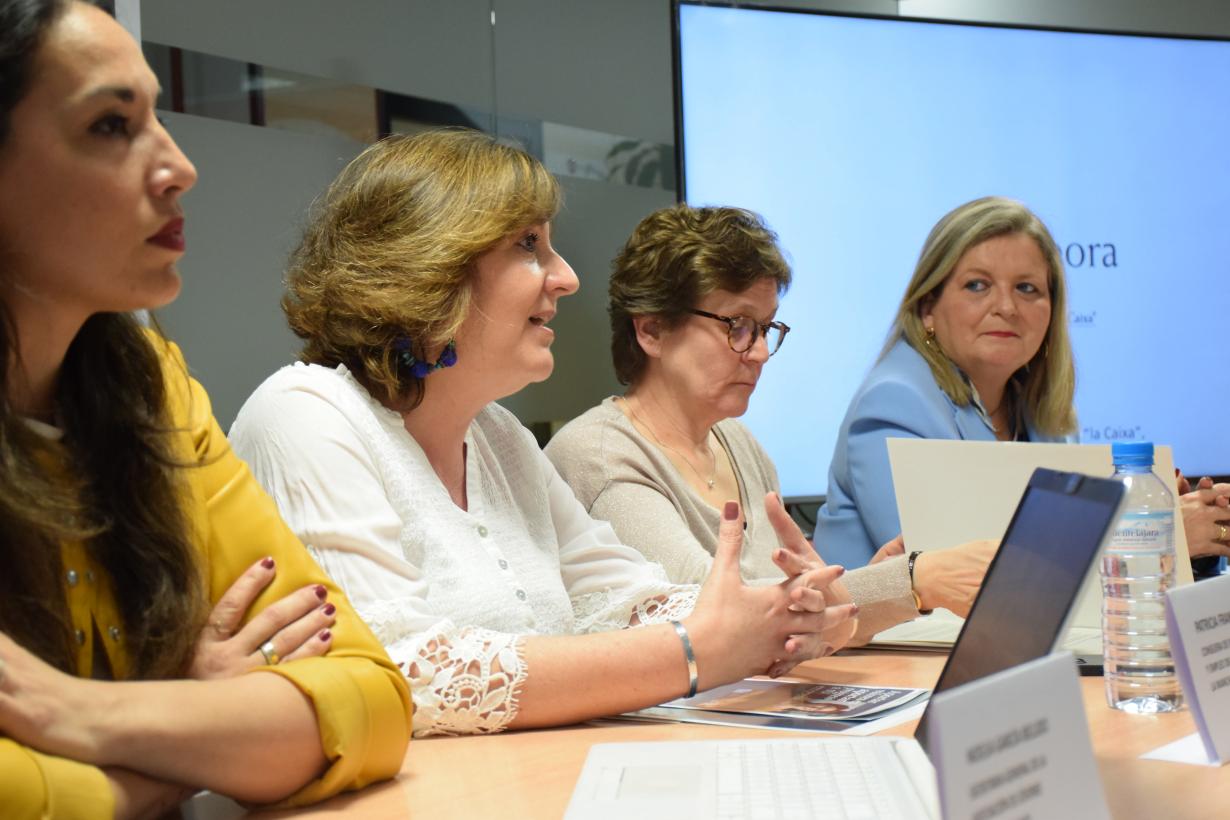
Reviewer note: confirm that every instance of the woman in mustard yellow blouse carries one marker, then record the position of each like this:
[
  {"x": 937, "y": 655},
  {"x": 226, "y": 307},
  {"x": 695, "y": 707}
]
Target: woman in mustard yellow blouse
[{"x": 161, "y": 630}]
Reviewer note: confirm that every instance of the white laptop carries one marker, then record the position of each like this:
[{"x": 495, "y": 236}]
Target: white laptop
[
  {"x": 871, "y": 778},
  {"x": 949, "y": 492}
]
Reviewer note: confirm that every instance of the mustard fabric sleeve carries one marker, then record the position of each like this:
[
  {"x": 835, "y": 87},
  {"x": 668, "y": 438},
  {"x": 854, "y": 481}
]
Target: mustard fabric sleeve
[
  {"x": 362, "y": 701},
  {"x": 35, "y": 785}
]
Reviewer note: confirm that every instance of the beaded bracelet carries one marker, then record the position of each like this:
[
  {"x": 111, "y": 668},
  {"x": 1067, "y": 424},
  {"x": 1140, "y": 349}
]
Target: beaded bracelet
[{"x": 688, "y": 655}]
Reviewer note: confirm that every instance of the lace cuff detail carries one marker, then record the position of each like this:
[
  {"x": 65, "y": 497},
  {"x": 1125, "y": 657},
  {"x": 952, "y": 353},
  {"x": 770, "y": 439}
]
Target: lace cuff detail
[
  {"x": 673, "y": 607},
  {"x": 466, "y": 684},
  {"x": 655, "y": 600}
]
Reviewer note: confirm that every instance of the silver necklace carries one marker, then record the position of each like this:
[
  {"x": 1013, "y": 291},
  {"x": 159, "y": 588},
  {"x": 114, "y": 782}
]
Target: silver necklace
[
  {"x": 711, "y": 480},
  {"x": 1009, "y": 418}
]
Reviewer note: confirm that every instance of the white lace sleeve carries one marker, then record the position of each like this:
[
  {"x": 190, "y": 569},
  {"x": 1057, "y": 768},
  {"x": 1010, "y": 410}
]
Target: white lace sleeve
[
  {"x": 611, "y": 585},
  {"x": 650, "y": 602},
  {"x": 463, "y": 681}
]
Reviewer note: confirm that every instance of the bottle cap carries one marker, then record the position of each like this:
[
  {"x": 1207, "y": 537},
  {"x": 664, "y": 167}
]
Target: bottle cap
[{"x": 1132, "y": 453}]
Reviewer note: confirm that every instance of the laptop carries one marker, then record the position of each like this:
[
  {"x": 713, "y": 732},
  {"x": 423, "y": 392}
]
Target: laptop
[
  {"x": 1025, "y": 603},
  {"x": 833, "y": 776},
  {"x": 1019, "y": 614}
]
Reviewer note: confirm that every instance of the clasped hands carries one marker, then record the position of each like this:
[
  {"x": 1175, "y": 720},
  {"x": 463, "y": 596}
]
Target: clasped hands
[
  {"x": 1206, "y": 516},
  {"x": 741, "y": 630}
]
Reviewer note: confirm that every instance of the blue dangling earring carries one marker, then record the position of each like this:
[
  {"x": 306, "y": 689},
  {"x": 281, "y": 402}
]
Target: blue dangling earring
[{"x": 421, "y": 369}]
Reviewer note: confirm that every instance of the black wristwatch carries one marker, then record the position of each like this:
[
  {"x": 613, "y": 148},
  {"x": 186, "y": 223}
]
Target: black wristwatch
[{"x": 917, "y": 601}]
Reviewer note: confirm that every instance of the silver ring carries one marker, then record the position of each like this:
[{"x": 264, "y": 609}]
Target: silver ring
[{"x": 270, "y": 653}]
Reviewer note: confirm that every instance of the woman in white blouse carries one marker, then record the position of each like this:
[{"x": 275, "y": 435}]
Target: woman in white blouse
[{"x": 423, "y": 289}]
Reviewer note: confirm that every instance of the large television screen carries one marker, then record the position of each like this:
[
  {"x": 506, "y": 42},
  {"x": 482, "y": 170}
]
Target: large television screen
[{"x": 852, "y": 136}]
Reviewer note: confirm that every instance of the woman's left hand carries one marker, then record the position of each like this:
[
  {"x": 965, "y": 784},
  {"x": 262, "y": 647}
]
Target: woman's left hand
[
  {"x": 297, "y": 626},
  {"x": 799, "y": 560},
  {"x": 46, "y": 709}
]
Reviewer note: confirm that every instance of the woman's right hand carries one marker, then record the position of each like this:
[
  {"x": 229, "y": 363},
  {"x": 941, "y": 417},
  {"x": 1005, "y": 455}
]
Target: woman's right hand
[
  {"x": 297, "y": 626},
  {"x": 796, "y": 558},
  {"x": 1206, "y": 517},
  {"x": 739, "y": 630},
  {"x": 950, "y": 578}
]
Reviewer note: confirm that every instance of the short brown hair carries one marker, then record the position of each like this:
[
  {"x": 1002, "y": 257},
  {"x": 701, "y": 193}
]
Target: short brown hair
[
  {"x": 1049, "y": 380},
  {"x": 387, "y": 258},
  {"x": 674, "y": 257}
]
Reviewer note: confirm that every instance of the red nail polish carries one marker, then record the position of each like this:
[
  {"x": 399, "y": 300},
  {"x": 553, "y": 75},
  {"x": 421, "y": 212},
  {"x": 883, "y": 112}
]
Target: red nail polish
[
  {"x": 267, "y": 562},
  {"x": 731, "y": 511},
  {"x": 324, "y": 635},
  {"x": 321, "y": 592},
  {"x": 330, "y": 609}
]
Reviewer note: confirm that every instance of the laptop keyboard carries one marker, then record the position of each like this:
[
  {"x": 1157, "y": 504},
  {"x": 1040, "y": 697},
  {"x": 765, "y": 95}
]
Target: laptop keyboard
[{"x": 801, "y": 779}]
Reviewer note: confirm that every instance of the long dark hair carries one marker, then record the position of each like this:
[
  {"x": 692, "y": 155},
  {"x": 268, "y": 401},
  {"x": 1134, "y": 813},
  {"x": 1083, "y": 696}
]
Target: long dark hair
[{"x": 112, "y": 482}]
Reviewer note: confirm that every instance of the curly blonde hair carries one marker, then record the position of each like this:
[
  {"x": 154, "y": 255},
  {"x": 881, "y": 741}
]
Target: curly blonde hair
[
  {"x": 677, "y": 255},
  {"x": 386, "y": 261},
  {"x": 1049, "y": 379}
]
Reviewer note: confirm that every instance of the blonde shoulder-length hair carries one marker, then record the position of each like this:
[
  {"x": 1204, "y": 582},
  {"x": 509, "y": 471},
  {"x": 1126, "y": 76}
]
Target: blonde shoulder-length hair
[
  {"x": 386, "y": 262},
  {"x": 1049, "y": 379}
]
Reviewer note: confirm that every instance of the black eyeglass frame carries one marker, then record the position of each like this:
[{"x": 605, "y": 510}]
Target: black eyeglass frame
[{"x": 758, "y": 329}]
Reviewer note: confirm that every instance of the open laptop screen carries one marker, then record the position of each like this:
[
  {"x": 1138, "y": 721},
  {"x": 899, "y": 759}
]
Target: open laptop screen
[{"x": 1022, "y": 608}]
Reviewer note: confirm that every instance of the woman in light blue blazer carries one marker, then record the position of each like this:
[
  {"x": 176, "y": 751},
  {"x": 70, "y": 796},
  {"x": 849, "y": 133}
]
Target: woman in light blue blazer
[{"x": 973, "y": 354}]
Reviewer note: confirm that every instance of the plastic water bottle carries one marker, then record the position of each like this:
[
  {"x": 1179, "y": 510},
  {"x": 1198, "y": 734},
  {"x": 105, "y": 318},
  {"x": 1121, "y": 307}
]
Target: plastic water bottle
[{"x": 1137, "y": 569}]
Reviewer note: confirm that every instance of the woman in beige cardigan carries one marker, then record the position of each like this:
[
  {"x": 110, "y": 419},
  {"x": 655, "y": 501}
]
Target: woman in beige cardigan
[{"x": 693, "y": 301}]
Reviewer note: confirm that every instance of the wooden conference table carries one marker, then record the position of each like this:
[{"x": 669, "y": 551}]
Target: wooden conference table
[{"x": 530, "y": 774}]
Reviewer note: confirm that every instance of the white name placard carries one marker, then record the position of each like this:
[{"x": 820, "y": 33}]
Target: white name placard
[
  {"x": 1198, "y": 622},
  {"x": 1015, "y": 744}
]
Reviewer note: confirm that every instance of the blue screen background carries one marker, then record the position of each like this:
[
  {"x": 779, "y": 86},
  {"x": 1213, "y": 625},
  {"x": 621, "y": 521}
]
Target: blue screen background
[{"x": 852, "y": 137}]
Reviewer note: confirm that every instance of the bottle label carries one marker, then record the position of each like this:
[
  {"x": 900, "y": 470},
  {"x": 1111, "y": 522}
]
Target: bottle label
[{"x": 1144, "y": 531}]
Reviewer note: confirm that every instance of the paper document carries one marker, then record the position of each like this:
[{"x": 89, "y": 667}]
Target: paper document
[
  {"x": 777, "y": 697},
  {"x": 950, "y": 492},
  {"x": 792, "y": 704},
  {"x": 939, "y": 630},
  {"x": 1188, "y": 749}
]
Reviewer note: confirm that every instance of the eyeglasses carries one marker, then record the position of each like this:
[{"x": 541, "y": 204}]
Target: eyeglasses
[{"x": 743, "y": 331}]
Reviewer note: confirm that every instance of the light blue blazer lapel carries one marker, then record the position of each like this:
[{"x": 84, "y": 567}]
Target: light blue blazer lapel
[{"x": 970, "y": 426}]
